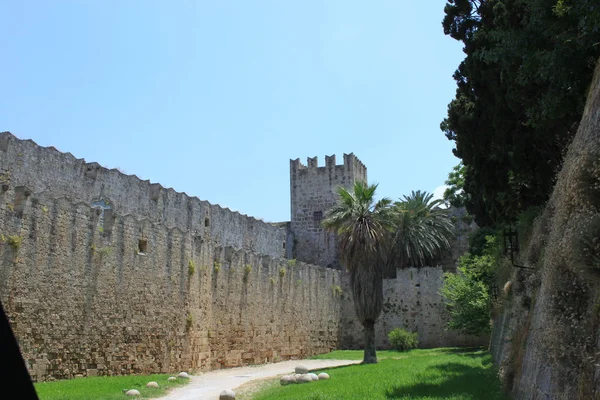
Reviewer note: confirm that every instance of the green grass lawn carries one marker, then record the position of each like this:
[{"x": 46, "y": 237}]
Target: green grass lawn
[
  {"x": 105, "y": 387},
  {"x": 449, "y": 373}
]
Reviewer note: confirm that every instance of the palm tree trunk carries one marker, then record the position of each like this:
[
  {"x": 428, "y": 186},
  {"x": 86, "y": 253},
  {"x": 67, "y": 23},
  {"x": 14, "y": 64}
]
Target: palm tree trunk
[{"x": 370, "y": 356}]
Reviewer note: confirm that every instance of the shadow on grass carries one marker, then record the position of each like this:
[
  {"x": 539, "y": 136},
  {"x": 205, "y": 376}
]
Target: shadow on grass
[
  {"x": 456, "y": 379},
  {"x": 460, "y": 349}
]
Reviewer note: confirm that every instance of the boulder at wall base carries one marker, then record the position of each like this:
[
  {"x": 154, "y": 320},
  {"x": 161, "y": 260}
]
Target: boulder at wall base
[
  {"x": 132, "y": 392},
  {"x": 301, "y": 369},
  {"x": 227, "y": 394},
  {"x": 285, "y": 380},
  {"x": 152, "y": 385},
  {"x": 304, "y": 378},
  {"x": 171, "y": 379},
  {"x": 314, "y": 377},
  {"x": 183, "y": 375},
  {"x": 323, "y": 375}
]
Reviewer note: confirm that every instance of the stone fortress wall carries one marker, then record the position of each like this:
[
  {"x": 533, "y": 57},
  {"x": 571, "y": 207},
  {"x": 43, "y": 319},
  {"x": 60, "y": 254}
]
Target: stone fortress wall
[
  {"x": 103, "y": 273},
  {"x": 411, "y": 295},
  {"x": 313, "y": 191}
]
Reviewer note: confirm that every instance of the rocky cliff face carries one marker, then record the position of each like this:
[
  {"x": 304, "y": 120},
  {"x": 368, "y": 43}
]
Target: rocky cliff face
[{"x": 547, "y": 338}]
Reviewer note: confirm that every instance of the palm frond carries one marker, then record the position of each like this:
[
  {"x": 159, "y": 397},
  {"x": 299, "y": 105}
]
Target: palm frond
[{"x": 422, "y": 229}]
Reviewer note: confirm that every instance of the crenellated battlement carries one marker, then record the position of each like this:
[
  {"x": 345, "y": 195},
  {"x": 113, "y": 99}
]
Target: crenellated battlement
[
  {"x": 313, "y": 191},
  {"x": 351, "y": 164}
]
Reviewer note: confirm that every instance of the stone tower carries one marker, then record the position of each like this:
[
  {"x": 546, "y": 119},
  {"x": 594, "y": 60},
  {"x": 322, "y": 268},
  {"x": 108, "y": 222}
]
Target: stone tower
[{"x": 313, "y": 191}]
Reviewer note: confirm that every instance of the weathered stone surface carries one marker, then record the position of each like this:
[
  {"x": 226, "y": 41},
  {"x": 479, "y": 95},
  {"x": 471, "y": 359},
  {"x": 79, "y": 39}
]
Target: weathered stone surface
[
  {"x": 285, "y": 380},
  {"x": 152, "y": 385},
  {"x": 313, "y": 192},
  {"x": 132, "y": 392},
  {"x": 301, "y": 369},
  {"x": 323, "y": 376},
  {"x": 227, "y": 394},
  {"x": 171, "y": 379},
  {"x": 412, "y": 300},
  {"x": 91, "y": 235},
  {"x": 304, "y": 378},
  {"x": 314, "y": 377},
  {"x": 183, "y": 375},
  {"x": 551, "y": 315},
  {"x": 83, "y": 228}
]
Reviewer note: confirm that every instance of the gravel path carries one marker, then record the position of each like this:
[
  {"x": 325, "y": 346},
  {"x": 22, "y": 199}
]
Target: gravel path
[{"x": 208, "y": 385}]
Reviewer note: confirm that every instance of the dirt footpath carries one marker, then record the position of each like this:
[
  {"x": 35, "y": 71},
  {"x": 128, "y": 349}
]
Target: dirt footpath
[{"x": 208, "y": 385}]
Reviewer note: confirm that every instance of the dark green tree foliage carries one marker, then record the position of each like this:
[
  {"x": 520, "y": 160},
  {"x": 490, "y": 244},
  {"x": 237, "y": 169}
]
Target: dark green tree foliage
[
  {"x": 455, "y": 193},
  {"x": 520, "y": 94},
  {"x": 468, "y": 292}
]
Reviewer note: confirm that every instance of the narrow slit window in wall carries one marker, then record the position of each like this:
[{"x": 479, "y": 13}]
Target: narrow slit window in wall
[
  {"x": 317, "y": 218},
  {"x": 142, "y": 246},
  {"x": 206, "y": 222}
]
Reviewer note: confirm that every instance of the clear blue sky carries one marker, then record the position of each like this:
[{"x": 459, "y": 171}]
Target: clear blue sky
[{"x": 213, "y": 98}]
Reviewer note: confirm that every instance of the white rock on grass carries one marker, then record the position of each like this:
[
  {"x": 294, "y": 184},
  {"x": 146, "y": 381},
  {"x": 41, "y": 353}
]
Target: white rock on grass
[
  {"x": 301, "y": 369},
  {"x": 304, "y": 378},
  {"x": 292, "y": 378},
  {"x": 285, "y": 380},
  {"x": 171, "y": 379},
  {"x": 152, "y": 385},
  {"x": 314, "y": 377},
  {"x": 323, "y": 375},
  {"x": 132, "y": 392},
  {"x": 227, "y": 394},
  {"x": 183, "y": 375}
]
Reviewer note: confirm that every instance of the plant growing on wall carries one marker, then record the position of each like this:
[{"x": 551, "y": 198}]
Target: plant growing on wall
[
  {"x": 247, "y": 270},
  {"x": 191, "y": 267},
  {"x": 217, "y": 266},
  {"x": 336, "y": 290},
  {"x": 282, "y": 272},
  {"x": 14, "y": 241},
  {"x": 291, "y": 263}
]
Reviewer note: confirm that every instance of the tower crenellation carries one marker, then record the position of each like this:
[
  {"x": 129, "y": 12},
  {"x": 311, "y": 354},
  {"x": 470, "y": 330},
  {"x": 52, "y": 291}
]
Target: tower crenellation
[{"x": 313, "y": 191}]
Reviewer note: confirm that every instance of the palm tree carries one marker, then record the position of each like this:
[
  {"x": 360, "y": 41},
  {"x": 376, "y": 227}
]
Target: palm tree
[
  {"x": 363, "y": 228},
  {"x": 422, "y": 230}
]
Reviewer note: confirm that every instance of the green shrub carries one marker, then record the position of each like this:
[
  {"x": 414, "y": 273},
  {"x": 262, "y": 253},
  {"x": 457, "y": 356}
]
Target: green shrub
[
  {"x": 468, "y": 302},
  {"x": 478, "y": 240},
  {"x": 469, "y": 293},
  {"x": 403, "y": 340},
  {"x": 15, "y": 241},
  {"x": 336, "y": 290},
  {"x": 247, "y": 270}
]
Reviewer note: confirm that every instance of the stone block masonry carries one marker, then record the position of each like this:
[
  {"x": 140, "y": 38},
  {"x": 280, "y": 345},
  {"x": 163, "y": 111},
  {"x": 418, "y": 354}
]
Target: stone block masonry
[
  {"x": 313, "y": 191},
  {"x": 410, "y": 301},
  {"x": 102, "y": 274}
]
